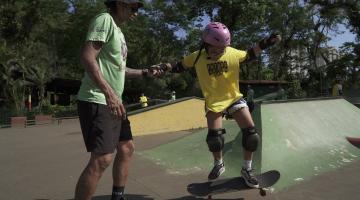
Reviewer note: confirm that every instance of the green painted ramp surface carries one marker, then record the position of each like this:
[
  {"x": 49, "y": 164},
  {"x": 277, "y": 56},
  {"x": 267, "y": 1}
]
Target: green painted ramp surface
[
  {"x": 305, "y": 138},
  {"x": 301, "y": 139},
  {"x": 190, "y": 154}
]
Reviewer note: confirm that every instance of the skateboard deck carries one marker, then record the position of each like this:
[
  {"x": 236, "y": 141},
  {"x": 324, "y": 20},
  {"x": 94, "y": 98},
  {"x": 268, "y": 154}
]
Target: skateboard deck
[
  {"x": 234, "y": 184},
  {"x": 354, "y": 141}
]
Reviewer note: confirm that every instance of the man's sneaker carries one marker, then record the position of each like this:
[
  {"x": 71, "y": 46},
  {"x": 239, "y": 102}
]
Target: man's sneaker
[
  {"x": 216, "y": 171},
  {"x": 249, "y": 178}
]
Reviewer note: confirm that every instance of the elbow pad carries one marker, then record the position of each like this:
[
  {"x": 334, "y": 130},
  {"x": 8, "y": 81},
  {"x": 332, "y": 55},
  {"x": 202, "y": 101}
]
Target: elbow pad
[{"x": 251, "y": 55}]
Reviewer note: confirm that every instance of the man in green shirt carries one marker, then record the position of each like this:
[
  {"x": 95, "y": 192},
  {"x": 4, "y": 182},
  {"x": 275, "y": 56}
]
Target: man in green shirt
[{"x": 102, "y": 115}]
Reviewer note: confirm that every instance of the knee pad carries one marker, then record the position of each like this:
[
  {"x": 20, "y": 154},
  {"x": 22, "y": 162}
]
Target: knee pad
[
  {"x": 250, "y": 139},
  {"x": 215, "y": 139}
]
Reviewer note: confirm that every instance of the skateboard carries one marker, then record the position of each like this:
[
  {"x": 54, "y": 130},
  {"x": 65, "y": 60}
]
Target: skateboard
[
  {"x": 354, "y": 141},
  {"x": 234, "y": 184}
]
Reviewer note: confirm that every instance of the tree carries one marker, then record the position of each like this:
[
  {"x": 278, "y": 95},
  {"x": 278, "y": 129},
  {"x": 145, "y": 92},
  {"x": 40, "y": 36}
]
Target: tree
[
  {"x": 38, "y": 68},
  {"x": 45, "y": 38},
  {"x": 347, "y": 12},
  {"x": 14, "y": 85}
]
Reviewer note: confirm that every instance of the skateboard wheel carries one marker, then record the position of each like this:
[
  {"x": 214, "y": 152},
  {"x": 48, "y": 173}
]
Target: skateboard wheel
[{"x": 262, "y": 192}]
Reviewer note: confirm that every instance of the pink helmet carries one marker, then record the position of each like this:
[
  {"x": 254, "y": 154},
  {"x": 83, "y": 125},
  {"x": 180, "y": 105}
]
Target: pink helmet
[{"x": 216, "y": 34}]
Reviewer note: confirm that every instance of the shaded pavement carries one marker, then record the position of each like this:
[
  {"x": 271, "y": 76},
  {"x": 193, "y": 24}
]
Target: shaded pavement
[{"x": 44, "y": 162}]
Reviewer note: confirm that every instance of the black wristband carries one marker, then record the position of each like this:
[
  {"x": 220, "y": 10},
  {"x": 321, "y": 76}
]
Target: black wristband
[
  {"x": 251, "y": 55},
  {"x": 164, "y": 67}
]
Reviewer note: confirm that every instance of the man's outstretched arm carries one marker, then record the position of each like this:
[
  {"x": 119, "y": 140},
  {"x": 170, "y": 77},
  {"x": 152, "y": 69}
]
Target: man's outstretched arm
[{"x": 133, "y": 73}]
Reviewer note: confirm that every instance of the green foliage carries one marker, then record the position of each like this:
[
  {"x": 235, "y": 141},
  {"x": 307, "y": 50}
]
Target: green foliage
[
  {"x": 64, "y": 111},
  {"x": 267, "y": 74},
  {"x": 54, "y": 110},
  {"x": 13, "y": 89},
  {"x": 43, "y": 40},
  {"x": 5, "y": 116},
  {"x": 294, "y": 90}
]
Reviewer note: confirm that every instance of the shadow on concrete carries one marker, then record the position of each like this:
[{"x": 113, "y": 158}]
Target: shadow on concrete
[
  {"x": 197, "y": 198},
  {"x": 128, "y": 197},
  {"x": 144, "y": 197}
]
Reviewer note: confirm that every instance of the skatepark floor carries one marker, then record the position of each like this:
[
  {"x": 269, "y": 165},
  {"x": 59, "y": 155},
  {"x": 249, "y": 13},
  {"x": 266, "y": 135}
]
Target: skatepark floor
[{"x": 44, "y": 162}]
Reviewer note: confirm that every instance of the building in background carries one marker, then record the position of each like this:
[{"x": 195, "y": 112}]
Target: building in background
[{"x": 300, "y": 62}]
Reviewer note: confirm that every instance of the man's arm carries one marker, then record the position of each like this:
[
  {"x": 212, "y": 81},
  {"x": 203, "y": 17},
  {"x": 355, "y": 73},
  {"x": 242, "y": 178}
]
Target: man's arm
[
  {"x": 132, "y": 73},
  {"x": 88, "y": 59},
  {"x": 174, "y": 67}
]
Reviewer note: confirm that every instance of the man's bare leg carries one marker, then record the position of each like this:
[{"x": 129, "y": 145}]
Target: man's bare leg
[
  {"x": 91, "y": 175},
  {"x": 122, "y": 160}
]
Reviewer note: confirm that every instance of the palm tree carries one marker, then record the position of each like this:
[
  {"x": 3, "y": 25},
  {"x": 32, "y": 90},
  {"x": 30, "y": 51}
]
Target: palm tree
[
  {"x": 14, "y": 84},
  {"x": 39, "y": 75}
]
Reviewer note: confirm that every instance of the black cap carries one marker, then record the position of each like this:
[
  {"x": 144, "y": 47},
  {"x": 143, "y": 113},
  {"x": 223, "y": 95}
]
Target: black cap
[{"x": 138, "y": 2}]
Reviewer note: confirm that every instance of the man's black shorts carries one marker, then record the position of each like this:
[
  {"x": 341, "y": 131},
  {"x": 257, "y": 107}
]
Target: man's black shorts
[{"x": 101, "y": 130}]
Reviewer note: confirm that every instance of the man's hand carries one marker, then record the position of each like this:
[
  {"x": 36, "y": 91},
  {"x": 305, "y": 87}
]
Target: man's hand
[
  {"x": 158, "y": 70},
  {"x": 115, "y": 106}
]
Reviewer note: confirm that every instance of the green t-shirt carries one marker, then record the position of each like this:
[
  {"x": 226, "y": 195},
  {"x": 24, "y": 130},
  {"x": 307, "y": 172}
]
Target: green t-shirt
[{"x": 111, "y": 59}]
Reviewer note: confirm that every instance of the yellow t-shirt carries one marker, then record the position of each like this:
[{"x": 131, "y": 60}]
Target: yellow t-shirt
[{"x": 219, "y": 80}]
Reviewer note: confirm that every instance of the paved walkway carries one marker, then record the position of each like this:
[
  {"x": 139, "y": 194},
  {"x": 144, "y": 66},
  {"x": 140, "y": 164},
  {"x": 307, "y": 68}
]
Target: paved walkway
[{"x": 44, "y": 162}]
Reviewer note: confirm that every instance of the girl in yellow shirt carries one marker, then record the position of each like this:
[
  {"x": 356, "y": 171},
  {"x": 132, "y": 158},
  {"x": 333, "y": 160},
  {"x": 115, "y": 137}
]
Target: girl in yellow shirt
[{"x": 217, "y": 66}]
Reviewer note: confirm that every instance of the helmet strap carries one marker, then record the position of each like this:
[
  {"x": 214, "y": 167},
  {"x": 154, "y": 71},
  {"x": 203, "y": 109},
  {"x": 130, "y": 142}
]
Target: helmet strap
[
  {"x": 202, "y": 46},
  {"x": 206, "y": 47}
]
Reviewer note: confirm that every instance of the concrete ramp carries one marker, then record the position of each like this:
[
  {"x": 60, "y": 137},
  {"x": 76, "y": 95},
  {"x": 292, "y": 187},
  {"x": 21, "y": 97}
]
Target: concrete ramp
[
  {"x": 301, "y": 139},
  {"x": 182, "y": 114}
]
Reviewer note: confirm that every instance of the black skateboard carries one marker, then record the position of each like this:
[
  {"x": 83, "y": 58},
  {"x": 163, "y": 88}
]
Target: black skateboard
[
  {"x": 234, "y": 184},
  {"x": 354, "y": 141}
]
